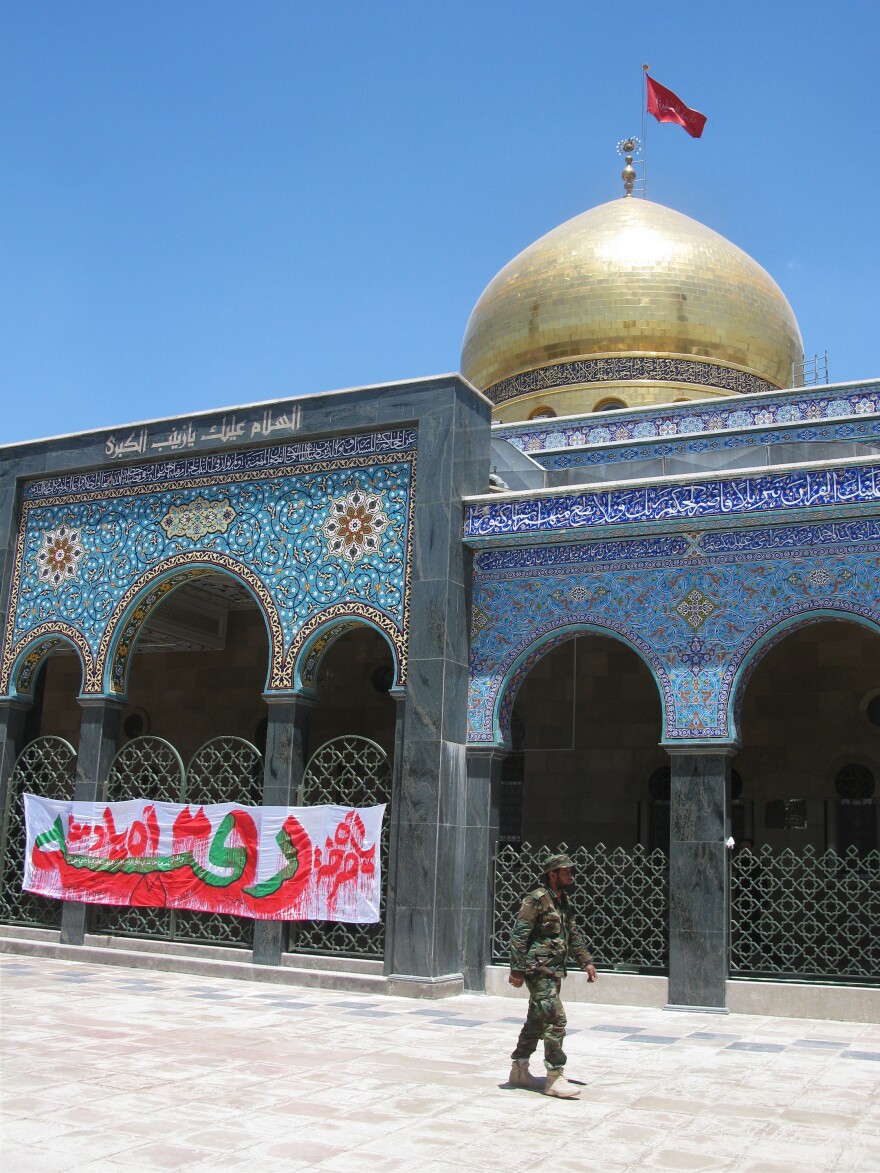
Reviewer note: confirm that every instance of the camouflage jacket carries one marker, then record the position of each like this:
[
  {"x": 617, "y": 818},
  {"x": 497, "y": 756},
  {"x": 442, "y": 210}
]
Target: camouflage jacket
[{"x": 545, "y": 936}]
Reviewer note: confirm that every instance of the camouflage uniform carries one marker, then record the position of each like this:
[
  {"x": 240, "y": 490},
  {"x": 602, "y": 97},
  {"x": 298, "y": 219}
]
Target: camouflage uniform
[{"x": 543, "y": 937}]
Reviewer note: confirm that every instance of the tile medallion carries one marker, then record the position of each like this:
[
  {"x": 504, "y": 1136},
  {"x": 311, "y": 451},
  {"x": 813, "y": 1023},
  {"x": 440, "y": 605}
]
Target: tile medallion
[{"x": 314, "y": 542}]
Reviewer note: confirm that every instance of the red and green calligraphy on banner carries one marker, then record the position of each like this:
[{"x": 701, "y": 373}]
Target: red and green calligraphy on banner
[{"x": 269, "y": 863}]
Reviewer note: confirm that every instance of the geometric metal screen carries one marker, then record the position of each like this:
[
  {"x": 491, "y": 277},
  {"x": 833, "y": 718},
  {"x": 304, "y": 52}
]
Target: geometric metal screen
[
  {"x": 46, "y": 766},
  {"x": 810, "y": 915},
  {"x": 225, "y": 769},
  {"x": 620, "y": 900},
  {"x": 348, "y": 771},
  {"x": 146, "y": 767}
]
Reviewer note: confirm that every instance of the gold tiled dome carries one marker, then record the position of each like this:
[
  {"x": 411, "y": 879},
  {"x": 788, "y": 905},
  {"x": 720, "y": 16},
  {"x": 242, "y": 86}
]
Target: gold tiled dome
[{"x": 630, "y": 295}]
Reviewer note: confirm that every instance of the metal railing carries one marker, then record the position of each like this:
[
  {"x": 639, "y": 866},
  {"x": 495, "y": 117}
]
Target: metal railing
[
  {"x": 350, "y": 771},
  {"x": 620, "y": 900},
  {"x": 45, "y": 767},
  {"x": 809, "y": 915}
]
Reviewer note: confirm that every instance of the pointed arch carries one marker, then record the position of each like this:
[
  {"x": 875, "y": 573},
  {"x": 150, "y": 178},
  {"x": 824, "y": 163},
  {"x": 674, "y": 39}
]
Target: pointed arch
[
  {"x": 527, "y": 656},
  {"x": 110, "y": 674},
  {"x": 324, "y": 628},
  {"x": 23, "y": 663},
  {"x": 767, "y": 636}
]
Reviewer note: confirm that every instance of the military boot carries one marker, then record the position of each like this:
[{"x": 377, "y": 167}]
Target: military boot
[
  {"x": 520, "y": 1076},
  {"x": 558, "y": 1085}
]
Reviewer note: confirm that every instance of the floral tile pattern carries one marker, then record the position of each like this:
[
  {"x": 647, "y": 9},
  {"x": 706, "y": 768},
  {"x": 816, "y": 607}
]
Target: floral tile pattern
[{"x": 313, "y": 543}]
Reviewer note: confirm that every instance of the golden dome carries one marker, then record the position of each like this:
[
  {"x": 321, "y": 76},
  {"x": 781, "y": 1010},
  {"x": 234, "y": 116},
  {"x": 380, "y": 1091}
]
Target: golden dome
[{"x": 631, "y": 292}]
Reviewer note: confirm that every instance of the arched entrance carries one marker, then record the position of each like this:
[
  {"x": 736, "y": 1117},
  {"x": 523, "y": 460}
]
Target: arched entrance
[
  {"x": 806, "y": 871},
  {"x": 585, "y": 730},
  {"x": 191, "y": 729},
  {"x": 351, "y": 749}
]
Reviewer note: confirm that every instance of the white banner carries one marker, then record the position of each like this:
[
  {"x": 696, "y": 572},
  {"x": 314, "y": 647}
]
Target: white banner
[{"x": 269, "y": 863}]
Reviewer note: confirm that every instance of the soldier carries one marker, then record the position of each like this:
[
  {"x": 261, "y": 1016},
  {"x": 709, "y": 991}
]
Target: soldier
[{"x": 542, "y": 939}]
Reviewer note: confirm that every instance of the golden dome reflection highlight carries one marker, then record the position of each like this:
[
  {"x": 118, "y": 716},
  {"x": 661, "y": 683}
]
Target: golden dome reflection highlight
[{"x": 631, "y": 278}]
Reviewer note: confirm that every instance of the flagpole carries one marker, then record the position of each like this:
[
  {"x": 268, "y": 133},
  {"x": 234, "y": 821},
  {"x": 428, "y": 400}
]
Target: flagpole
[{"x": 645, "y": 69}]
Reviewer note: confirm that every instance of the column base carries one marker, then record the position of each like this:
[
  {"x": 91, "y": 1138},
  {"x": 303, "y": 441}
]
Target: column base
[
  {"x": 697, "y": 1009},
  {"x": 74, "y": 922},
  {"x": 450, "y": 985}
]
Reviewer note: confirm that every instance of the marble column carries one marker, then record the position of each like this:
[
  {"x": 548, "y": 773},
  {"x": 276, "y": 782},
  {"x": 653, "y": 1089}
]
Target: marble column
[
  {"x": 478, "y": 874},
  {"x": 283, "y": 768},
  {"x": 427, "y": 917},
  {"x": 13, "y": 715},
  {"x": 98, "y": 742},
  {"x": 396, "y": 806},
  {"x": 698, "y": 877}
]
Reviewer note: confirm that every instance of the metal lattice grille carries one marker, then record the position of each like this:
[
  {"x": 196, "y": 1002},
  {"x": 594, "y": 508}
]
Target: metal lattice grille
[
  {"x": 147, "y": 767},
  {"x": 810, "y": 915},
  {"x": 226, "y": 769},
  {"x": 620, "y": 900},
  {"x": 348, "y": 771},
  {"x": 45, "y": 767}
]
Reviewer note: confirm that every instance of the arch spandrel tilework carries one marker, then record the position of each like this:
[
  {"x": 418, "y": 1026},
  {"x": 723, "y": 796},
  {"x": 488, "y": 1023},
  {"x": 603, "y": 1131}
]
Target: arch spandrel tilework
[
  {"x": 694, "y": 605},
  {"x": 312, "y": 540}
]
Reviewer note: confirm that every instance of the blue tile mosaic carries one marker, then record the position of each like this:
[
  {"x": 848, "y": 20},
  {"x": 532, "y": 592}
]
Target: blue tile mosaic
[
  {"x": 699, "y": 607},
  {"x": 316, "y": 532},
  {"x": 695, "y": 418}
]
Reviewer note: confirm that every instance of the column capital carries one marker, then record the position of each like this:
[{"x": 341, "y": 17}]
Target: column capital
[
  {"x": 726, "y": 749},
  {"x": 15, "y": 704},
  {"x": 489, "y": 752},
  {"x": 305, "y": 700},
  {"x": 102, "y": 702}
]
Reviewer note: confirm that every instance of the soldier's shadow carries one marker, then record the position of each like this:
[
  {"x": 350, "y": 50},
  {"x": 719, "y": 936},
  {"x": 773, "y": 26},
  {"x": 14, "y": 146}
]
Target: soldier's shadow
[{"x": 512, "y": 1087}]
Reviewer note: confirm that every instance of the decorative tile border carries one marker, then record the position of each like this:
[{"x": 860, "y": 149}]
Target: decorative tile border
[
  {"x": 546, "y": 514},
  {"x": 225, "y": 464},
  {"x": 626, "y": 368},
  {"x": 633, "y": 455},
  {"x": 696, "y": 418}
]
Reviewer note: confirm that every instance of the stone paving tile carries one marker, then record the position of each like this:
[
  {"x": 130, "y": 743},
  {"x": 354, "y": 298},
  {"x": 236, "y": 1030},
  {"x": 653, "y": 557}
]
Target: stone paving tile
[{"x": 181, "y": 1073}]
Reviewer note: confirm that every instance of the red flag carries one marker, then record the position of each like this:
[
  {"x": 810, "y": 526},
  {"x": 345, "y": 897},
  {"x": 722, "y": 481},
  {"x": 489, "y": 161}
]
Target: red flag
[{"x": 668, "y": 107}]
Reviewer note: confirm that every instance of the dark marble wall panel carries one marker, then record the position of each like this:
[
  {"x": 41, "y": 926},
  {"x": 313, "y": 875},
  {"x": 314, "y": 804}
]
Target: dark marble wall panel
[
  {"x": 98, "y": 741},
  {"x": 698, "y": 879}
]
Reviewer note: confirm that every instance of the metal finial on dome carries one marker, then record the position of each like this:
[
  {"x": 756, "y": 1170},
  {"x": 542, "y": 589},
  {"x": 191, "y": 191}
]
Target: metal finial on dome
[{"x": 628, "y": 147}]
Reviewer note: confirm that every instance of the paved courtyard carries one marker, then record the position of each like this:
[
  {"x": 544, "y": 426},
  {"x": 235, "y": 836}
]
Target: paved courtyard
[{"x": 107, "y": 1068}]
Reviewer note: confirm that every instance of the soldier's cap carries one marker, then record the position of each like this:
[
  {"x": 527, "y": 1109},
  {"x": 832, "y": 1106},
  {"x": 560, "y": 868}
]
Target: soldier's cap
[{"x": 554, "y": 863}]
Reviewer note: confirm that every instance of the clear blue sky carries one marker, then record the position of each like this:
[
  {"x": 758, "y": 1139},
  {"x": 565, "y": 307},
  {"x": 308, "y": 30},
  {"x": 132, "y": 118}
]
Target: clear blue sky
[{"x": 206, "y": 203}]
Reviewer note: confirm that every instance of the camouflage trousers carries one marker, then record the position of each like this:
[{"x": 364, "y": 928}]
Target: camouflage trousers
[{"x": 545, "y": 1020}]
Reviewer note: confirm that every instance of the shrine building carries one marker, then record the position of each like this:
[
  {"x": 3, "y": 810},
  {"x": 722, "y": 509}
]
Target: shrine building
[{"x": 615, "y": 587}]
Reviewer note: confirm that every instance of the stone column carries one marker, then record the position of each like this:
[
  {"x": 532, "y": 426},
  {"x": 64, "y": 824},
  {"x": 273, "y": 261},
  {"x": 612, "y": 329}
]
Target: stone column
[
  {"x": 98, "y": 742},
  {"x": 283, "y": 768},
  {"x": 478, "y": 871},
  {"x": 698, "y": 877},
  {"x": 427, "y": 920},
  {"x": 13, "y": 715},
  {"x": 390, "y": 865}
]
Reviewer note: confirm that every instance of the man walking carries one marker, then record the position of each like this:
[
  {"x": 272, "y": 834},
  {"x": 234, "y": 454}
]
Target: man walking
[{"x": 542, "y": 939}]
